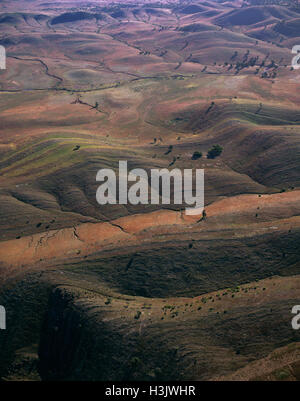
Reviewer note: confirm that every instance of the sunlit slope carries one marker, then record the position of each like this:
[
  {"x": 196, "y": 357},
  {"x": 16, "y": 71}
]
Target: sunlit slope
[{"x": 53, "y": 144}]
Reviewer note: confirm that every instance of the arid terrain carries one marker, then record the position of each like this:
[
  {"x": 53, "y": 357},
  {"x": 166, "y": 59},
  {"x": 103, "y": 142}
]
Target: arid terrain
[{"x": 146, "y": 292}]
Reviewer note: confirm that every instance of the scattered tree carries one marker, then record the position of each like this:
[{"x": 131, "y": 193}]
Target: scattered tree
[
  {"x": 214, "y": 152},
  {"x": 196, "y": 155}
]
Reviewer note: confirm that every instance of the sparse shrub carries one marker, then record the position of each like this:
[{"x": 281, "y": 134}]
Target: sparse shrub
[
  {"x": 136, "y": 361},
  {"x": 170, "y": 148},
  {"x": 214, "y": 152},
  {"x": 196, "y": 155}
]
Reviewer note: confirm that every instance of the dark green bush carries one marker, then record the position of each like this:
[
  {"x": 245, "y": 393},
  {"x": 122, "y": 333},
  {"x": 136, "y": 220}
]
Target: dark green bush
[{"x": 214, "y": 152}]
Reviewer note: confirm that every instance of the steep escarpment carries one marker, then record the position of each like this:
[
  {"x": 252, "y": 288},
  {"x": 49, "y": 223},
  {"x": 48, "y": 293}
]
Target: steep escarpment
[
  {"x": 82, "y": 340},
  {"x": 25, "y": 299},
  {"x": 86, "y": 331}
]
